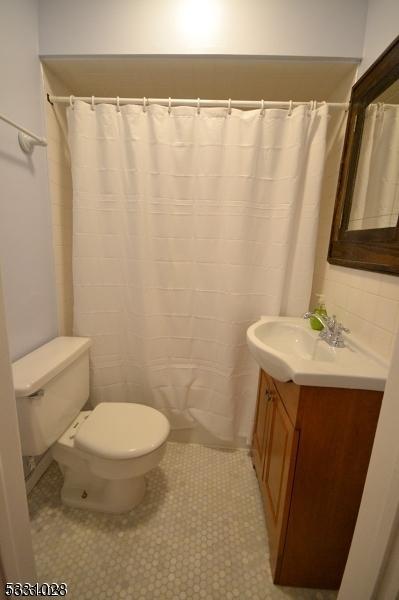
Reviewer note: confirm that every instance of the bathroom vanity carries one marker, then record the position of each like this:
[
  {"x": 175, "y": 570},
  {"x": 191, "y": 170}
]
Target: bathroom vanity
[{"x": 311, "y": 449}]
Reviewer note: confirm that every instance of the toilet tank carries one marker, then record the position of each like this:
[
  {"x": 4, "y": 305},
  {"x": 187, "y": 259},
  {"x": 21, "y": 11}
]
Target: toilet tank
[{"x": 51, "y": 387}]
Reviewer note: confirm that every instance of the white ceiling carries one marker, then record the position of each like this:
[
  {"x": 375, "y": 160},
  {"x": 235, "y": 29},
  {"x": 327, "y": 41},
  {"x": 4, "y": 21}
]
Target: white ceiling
[{"x": 205, "y": 77}]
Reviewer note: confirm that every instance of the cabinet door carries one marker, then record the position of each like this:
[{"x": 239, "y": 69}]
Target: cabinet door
[
  {"x": 261, "y": 426},
  {"x": 278, "y": 471}
]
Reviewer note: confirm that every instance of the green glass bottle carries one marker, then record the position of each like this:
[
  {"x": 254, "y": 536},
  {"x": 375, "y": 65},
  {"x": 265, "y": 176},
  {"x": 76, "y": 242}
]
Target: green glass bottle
[{"x": 319, "y": 309}]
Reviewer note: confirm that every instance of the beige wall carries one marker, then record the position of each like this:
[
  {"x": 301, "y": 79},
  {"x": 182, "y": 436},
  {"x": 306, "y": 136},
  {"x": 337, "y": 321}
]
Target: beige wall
[
  {"x": 366, "y": 302},
  {"x": 60, "y": 182}
]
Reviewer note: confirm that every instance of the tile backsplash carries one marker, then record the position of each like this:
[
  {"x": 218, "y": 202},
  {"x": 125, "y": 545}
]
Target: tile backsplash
[{"x": 368, "y": 303}]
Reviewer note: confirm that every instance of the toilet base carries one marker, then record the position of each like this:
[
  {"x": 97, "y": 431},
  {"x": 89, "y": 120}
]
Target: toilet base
[
  {"x": 102, "y": 495},
  {"x": 92, "y": 482}
]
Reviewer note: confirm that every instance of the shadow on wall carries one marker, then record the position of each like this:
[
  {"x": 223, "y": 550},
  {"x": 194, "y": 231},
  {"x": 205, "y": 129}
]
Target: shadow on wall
[{"x": 25, "y": 162}]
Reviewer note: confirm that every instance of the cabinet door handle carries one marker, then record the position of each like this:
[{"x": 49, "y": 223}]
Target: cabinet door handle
[{"x": 268, "y": 396}]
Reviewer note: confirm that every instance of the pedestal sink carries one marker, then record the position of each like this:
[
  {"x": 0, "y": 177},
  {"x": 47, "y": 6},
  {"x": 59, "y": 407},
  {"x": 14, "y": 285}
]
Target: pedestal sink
[{"x": 289, "y": 350}]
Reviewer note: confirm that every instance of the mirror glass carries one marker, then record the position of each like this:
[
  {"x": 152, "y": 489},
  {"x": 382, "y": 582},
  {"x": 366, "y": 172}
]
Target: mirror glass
[{"x": 375, "y": 201}]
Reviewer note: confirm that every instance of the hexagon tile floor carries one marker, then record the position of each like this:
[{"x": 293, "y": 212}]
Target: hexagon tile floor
[{"x": 199, "y": 534}]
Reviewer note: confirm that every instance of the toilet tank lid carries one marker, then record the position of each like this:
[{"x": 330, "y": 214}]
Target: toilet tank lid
[{"x": 33, "y": 371}]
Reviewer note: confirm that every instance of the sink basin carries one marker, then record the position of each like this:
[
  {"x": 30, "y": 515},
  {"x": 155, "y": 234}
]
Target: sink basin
[{"x": 288, "y": 349}]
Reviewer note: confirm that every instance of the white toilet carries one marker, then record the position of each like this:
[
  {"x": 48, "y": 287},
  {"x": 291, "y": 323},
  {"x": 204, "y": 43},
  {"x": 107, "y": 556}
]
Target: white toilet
[{"x": 103, "y": 453}]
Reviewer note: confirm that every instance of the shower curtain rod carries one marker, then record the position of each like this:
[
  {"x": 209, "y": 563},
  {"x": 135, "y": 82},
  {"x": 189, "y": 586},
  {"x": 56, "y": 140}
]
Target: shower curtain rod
[{"x": 196, "y": 102}]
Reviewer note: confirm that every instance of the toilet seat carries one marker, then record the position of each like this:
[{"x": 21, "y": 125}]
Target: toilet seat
[
  {"x": 122, "y": 430},
  {"x": 105, "y": 454}
]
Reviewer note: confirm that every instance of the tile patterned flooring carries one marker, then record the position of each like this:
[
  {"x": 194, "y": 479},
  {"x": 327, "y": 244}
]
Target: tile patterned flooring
[{"x": 199, "y": 534}]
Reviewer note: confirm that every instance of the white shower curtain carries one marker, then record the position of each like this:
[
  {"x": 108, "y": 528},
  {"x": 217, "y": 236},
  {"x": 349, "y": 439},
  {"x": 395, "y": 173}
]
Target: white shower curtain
[{"x": 187, "y": 227}]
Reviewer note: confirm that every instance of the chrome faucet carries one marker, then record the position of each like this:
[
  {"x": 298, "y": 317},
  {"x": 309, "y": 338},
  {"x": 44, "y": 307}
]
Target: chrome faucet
[{"x": 332, "y": 332}]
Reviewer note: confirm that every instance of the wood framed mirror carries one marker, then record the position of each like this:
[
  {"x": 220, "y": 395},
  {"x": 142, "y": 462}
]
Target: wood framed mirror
[{"x": 365, "y": 232}]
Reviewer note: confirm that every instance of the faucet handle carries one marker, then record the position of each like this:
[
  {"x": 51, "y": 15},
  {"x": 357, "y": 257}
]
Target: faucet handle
[
  {"x": 332, "y": 321},
  {"x": 338, "y": 339},
  {"x": 337, "y": 326}
]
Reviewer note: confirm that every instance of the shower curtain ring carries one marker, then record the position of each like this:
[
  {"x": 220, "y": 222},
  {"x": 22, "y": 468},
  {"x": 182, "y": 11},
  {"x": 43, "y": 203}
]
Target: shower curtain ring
[
  {"x": 92, "y": 103},
  {"x": 118, "y": 108},
  {"x": 198, "y": 106},
  {"x": 229, "y": 107},
  {"x": 72, "y": 101},
  {"x": 170, "y": 105},
  {"x": 144, "y": 104}
]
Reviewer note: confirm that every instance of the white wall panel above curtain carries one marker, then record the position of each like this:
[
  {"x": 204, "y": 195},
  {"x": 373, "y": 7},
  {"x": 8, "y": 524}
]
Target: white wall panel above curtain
[{"x": 188, "y": 227}]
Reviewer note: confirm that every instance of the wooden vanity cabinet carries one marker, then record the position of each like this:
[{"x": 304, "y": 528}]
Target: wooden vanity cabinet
[{"x": 311, "y": 449}]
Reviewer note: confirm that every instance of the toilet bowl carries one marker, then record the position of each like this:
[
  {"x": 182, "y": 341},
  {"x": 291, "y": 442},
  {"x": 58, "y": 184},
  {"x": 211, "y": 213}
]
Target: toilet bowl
[{"x": 103, "y": 453}]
